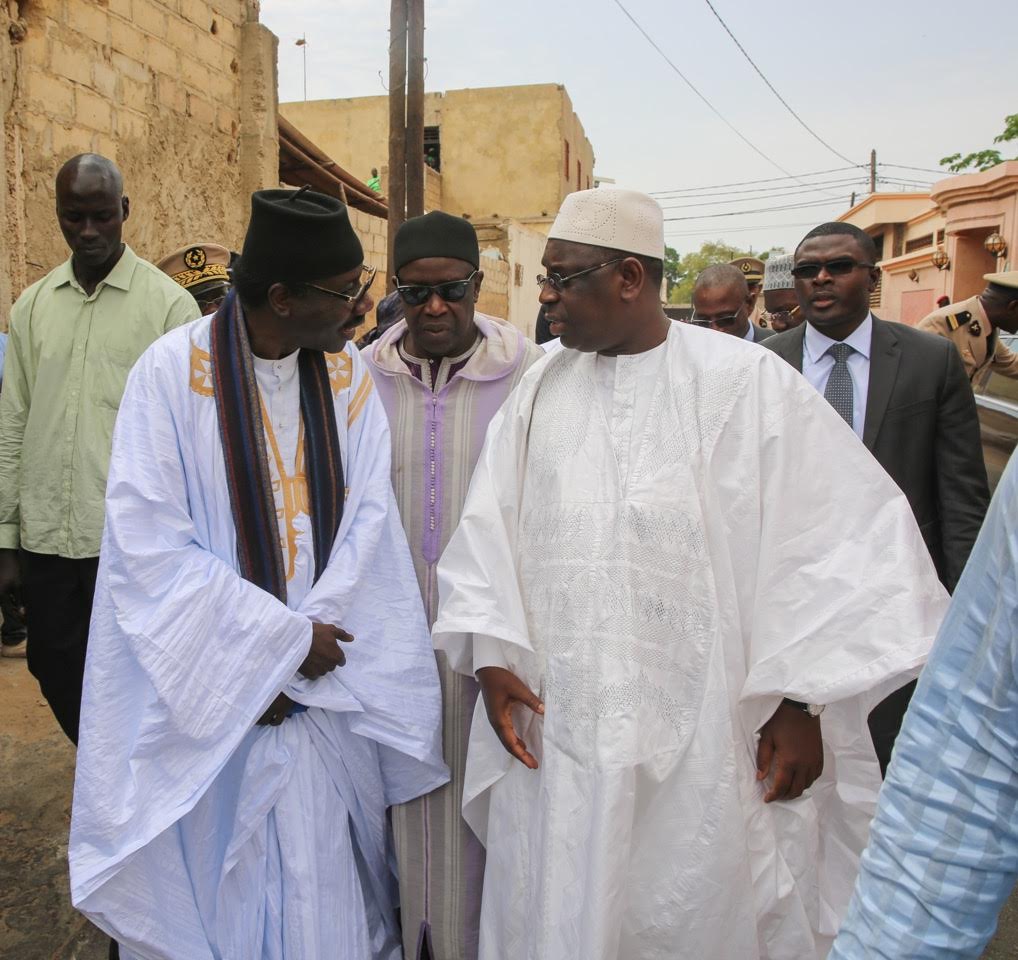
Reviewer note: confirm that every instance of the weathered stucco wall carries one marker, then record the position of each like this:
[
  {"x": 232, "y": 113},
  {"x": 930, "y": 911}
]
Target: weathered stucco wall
[
  {"x": 180, "y": 93},
  {"x": 503, "y": 148}
]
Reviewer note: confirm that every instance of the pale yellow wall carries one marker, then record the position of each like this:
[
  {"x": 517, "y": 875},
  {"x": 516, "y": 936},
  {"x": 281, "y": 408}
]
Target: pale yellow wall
[
  {"x": 502, "y": 147},
  {"x": 154, "y": 85}
]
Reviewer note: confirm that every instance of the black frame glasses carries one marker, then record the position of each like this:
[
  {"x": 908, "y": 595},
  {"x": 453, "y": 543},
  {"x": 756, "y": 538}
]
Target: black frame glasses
[
  {"x": 771, "y": 315},
  {"x": 558, "y": 282},
  {"x": 838, "y": 267},
  {"x": 416, "y": 294},
  {"x": 350, "y": 298}
]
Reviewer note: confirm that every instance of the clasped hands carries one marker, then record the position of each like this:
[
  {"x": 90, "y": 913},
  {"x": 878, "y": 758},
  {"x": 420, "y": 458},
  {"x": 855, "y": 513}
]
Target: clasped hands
[
  {"x": 323, "y": 657},
  {"x": 790, "y": 743}
]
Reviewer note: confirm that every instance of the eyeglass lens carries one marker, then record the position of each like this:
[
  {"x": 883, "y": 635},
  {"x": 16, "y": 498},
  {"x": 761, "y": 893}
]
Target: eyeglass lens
[{"x": 836, "y": 268}]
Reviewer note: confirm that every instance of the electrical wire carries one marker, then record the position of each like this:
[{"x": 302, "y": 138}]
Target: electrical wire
[
  {"x": 762, "y": 226},
  {"x": 746, "y": 213},
  {"x": 770, "y": 86},
  {"x": 902, "y": 166},
  {"x": 746, "y": 183},
  {"x": 799, "y": 191},
  {"x": 749, "y": 143}
]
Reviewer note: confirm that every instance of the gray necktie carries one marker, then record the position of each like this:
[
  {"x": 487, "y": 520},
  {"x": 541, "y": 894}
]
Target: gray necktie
[{"x": 838, "y": 392}]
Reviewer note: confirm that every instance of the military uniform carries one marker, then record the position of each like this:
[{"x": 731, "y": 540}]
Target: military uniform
[
  {"x": 753, "y": 270},
  {"x": 977, "y": 341},
  {"x": 202, "y": 270}
]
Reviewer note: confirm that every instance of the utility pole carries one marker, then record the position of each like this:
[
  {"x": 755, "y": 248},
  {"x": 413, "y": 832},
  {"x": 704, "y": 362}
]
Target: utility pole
[
  {"x": 873, "y": 171},
  {"x": 395, "y": 189},
  {"x": 415, "y": 109}
]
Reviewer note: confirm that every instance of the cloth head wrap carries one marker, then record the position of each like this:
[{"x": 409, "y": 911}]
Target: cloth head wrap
[
  {"x": 436, "y": 234},
  {"x": 778, "y": 273},
  {"x": 616, "y": 219},
  {"x": 298, "y": 235}
]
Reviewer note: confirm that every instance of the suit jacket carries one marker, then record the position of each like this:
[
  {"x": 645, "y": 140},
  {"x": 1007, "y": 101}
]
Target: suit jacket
[
  {"x": 761, "y": 333},
  {"x": 922, "y": 426}
]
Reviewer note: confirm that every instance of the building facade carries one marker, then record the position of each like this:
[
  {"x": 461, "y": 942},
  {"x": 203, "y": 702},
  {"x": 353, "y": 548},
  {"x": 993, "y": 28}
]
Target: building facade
[{"x": 935, "y": 244}]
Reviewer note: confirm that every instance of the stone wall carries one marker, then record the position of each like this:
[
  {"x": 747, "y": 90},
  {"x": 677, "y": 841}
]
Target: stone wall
[
  {"x": 494, "y": 298},
  {"x": 372, "y": 232},
  {"x": 180, "y": 93}
]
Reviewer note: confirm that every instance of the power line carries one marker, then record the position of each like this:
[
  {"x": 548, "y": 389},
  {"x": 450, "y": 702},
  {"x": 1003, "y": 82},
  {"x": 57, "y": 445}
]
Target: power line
[
  {"x": 710, "y": 105},
  {"x": 746, "y": 213},
  {"x": 844, "y": 185},
  {"x": 770, "y": 86},
  {"x": 902, "y": 166},
  {"x": 715, "y": 232},
  {"x": 744, "y": 183}
]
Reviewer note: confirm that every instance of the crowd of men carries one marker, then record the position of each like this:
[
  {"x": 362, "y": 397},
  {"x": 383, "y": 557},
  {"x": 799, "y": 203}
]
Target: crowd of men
[{"x": 454, "y": 647}]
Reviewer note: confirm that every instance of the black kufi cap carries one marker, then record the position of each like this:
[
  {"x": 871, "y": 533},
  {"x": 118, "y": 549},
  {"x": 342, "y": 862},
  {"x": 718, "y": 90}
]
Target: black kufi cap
[
  {"x": 436, "y": 234},
  {"x": 298, "y": 235}
]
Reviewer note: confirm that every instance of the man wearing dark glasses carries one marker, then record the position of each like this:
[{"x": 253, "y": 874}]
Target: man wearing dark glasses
[
  {"x": 905, "y": 395},
  {"x": 442, "y": 373},
  {"x": 722, "y": 301}
]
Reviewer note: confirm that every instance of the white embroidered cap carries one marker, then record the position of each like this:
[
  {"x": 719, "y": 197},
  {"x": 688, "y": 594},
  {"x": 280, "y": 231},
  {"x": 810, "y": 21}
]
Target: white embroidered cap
[
  {"x": 778, "y": 273},
  {"x": 618, "y": 219}
]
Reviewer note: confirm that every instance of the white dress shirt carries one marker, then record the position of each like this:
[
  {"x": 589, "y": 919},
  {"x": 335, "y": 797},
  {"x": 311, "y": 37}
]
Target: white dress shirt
[
  {"x": 750, "y": 334},
  {"x": 817, "y": 365}
]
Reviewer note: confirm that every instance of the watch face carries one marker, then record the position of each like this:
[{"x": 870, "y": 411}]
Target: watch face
[{"x": 814, "y": 709}]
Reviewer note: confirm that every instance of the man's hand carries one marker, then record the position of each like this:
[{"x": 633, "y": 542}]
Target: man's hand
[
  {"x": 502, "y": 690},
  {"x": 10, "y": 570},
  {"x": 277, "y": 712},
  {"x": 325, "y": 654},
  {"x": 790, "y": 742}
]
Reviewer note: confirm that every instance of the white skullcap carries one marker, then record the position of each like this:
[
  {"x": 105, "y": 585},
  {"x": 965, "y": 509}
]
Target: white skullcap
[
  {"x": 778, "y": 273},
  {"x": 618, "y": 219}
]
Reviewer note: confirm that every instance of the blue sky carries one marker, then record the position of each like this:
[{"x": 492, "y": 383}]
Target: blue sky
[{"x": 915, "y": 80}]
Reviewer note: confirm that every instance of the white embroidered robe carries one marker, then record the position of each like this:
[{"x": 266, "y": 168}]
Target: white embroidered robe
[
  {"x": 662, "y": 576},
  {"x": 196, "y": 835}
]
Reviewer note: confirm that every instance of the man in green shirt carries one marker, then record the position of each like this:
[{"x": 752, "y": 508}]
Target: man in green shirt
[{"x": 74, "y": 336}]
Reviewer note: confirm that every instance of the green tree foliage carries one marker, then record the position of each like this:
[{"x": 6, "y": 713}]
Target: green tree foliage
[
  {"x": 683, "y": 271},
  {"x": 984, "y": 159}
]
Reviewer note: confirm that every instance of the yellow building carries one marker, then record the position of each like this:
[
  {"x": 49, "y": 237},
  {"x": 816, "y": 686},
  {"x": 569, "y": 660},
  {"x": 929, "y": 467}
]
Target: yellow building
[
  {"x": 499, "y": 152},
  {"x": 935, "y": 244}
]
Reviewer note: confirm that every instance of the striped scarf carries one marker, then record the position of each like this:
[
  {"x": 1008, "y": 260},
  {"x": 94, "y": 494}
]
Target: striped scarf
[{"x": 247, "y": 466}]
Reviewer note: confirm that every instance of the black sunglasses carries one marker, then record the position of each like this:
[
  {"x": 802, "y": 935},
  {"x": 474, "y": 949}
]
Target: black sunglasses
[
  {"x": 720, "y": 322},
  {"x": 836, "y": 268},
  {"x": 452, "y": 291}
]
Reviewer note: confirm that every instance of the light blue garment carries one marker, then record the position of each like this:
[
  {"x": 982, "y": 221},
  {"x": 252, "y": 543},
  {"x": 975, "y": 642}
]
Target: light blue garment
[
  {"x": 943, "y": 852},
  {"x": 3, "y": 353},
  {"x": 817, "y": 365}
]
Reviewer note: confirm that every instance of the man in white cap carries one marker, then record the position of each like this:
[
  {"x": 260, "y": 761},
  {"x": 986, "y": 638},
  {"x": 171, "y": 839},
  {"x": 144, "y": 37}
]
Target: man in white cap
[
  {"x": 973, "y": 325},
  {"x": 781, "y": 306},
  {"x": 656, "y": 631}
]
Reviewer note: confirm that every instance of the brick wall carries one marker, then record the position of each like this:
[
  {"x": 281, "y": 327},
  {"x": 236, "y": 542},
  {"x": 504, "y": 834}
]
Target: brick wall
[
  {"x": 373, "y": 232},
  {"x": 156, "y": 85},
  {"x": 494, "y": 298}
]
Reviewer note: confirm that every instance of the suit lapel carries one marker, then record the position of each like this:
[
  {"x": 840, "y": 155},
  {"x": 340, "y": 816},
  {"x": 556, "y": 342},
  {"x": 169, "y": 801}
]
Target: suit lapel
[
  {"x": 793, "y": 352},
  {"x": 884, "y": 357}
]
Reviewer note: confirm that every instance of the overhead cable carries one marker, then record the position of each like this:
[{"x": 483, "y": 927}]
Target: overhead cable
[
  {"x": 749, "y": 143},
  {"x": 770, "y": 86},
  {"x": 745, "y": 183},
  {"x": 746, "y": 213}
]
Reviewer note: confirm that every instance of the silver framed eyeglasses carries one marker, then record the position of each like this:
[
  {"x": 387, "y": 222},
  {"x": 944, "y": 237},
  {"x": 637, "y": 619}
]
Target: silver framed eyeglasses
[
  {"x": 557, "y": 282},
  {"x": 368, "y": 277}
]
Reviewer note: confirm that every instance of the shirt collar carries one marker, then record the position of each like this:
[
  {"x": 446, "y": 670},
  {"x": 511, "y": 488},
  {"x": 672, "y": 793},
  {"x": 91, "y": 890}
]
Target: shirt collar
[
  {"x": 816, "y": 344},
  {"x": 750, "y": 334},
  {"x": 119, "y": 277}
]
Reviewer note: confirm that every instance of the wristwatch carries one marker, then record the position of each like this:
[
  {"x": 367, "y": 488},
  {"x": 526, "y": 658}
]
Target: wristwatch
[{"x": 813, "y": 709}]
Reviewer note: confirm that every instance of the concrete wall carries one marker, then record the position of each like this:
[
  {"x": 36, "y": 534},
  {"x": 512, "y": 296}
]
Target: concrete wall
[
  {"x": 180, "y": 93},
  {"x": 502, "y": 148}
]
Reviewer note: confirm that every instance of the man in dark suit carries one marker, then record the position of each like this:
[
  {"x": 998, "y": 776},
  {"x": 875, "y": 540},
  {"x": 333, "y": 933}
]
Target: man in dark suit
[
  {"x": 723, "y": 302},
  {"x": 904, "y": 393}
]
